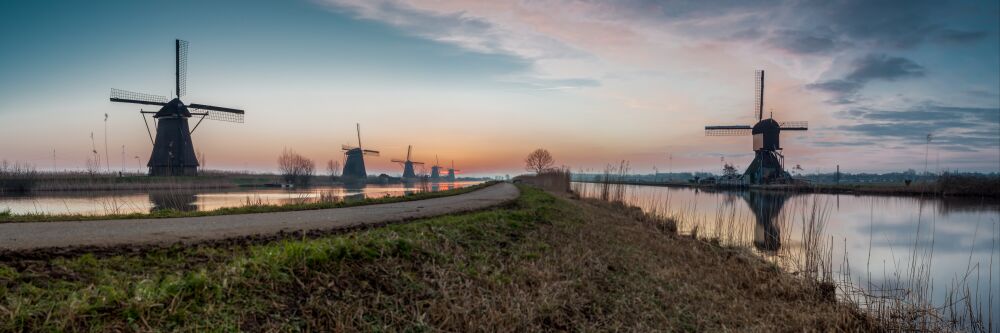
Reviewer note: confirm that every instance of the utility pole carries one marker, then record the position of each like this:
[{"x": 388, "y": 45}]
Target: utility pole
[
  {"x": 107, "y": 155},
  {"x": 927, "y": 150}
]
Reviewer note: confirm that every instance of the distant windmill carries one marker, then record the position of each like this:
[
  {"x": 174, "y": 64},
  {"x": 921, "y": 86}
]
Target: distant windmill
[
  {"x": 436, "y": 169},
  {"x": 768, "y": 163},
  {"x": 354, "y": 167},
  {"x": 452, "y": 171},
  {"x": 408, "y": 164},
  {"x": 173, "y": 152}
]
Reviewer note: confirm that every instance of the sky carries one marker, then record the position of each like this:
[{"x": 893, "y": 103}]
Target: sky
[{"x": 482, "y": 83}]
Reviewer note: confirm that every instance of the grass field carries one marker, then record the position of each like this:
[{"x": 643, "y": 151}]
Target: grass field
[{"x": 541, "y": 263}]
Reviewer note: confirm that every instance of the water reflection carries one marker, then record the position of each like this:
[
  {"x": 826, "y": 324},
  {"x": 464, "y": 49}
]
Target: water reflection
[
  {"x": 124, "y": 202},
  {"x": 766, "y": 207},
  {"x": 176, "y": 200}
]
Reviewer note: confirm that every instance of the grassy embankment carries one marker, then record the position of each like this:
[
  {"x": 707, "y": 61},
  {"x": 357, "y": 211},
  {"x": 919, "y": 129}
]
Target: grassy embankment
[
  {"x": 249, "y": 207},
  {"x": 945, "y": 185},
  {"x": 541, "y": 263}
]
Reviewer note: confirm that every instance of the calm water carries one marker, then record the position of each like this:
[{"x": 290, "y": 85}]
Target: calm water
[
  {"x": 99, "y": 203},
  {"x": 879, "y": 243}
]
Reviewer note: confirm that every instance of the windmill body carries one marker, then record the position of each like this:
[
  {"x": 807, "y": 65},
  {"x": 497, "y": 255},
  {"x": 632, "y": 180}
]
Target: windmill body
[
  {"x": 173, "y": 151},
  {"x": 436, "y": 169},
  {"x": 408, "y": 163},
  {"x": 767, "y": 166},
  {"x": 451, "y": 172},
  {"x": 435, "y": 172},
  {"x": 354, "y": 164}
]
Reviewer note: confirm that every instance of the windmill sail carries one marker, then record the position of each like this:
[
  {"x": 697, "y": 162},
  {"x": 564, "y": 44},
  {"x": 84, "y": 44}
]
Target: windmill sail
[
  {"x": 729, "y": 130},
  {"x": 125, "y": 96},
  {"x": 759, "y": 95},
  {"x": 180, "y": 62}
]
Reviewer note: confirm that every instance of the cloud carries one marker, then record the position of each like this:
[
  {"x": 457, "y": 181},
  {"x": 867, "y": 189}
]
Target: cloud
[
  {"x": 960, "y": 36},
  {"x": 865, "y": 69},
  {"x": 805, "y": 41},
  {"x": 883, "y": 67},
  {"x": 960, "y": 128}
]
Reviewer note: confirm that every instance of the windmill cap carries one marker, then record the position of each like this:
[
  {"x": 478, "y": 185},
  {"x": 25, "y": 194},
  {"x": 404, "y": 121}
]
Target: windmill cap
[
  {"x": 173, "y": 108},
  {"x": 765, "y": 125}
]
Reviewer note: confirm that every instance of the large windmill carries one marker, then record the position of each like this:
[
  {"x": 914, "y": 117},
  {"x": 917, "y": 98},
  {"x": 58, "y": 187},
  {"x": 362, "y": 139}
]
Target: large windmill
[
  {"x": 173, "y": 153},
  {"x": 768, "y": 163},
  {"x": 354, "y": 166},
  {"x": 436, "y": 169},
  {"x": 452, "y": 171},
  {"x": 408, "y": 164}
]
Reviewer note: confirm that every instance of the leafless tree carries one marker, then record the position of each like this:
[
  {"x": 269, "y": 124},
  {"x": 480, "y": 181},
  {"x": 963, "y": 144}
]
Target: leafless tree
[
  {"x": 729, "y": 170},
  {"x": 539, "y": 161},
  {"x": 295, "y": 168},
  {"x": 333, "y": 168}
]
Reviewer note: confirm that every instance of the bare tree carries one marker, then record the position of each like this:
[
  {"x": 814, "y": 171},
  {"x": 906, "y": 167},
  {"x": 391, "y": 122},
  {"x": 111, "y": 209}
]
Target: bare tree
[
  {"x": 729, "y": 170},
  {"x": 333, "y": 168},
  {"x": 295, "y": 168},
  {"x": 539, "y": 161}
]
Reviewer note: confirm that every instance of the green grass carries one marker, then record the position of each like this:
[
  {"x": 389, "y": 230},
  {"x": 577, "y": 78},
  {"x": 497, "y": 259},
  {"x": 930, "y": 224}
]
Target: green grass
[
  {"x": 7, "y": 217},
  {"x": 222, "y": 288}
]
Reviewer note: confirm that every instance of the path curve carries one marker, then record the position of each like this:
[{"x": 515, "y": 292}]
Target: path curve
[{"x": 102, "y": 233}]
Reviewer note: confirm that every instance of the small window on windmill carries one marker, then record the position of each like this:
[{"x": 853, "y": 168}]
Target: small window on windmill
[{"x": 758, "y": 141}]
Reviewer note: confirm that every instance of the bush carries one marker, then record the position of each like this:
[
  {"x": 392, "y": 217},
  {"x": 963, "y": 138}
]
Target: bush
[
  {"x": 16, "y": 177},
  {"x": 295, "y": 169},
  {"x": 975, "y": 184}
]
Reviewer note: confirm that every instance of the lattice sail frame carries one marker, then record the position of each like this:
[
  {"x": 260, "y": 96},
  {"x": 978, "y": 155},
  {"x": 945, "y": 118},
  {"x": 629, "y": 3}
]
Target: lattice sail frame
[
  {"x": 758, "y": 105},
  {"x": 794, "y": 125},
  {"x": 181, "y": 63},
  {"x": 727, "y": 130},
  {"x": 135, "y": 96},
  {"x": 225, "y": 116}
]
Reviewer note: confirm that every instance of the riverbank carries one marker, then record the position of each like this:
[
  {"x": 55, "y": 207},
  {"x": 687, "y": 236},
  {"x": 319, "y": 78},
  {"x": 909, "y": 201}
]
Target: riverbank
[
  {"x": 987, "y": 187},
  {"x": 250, "y": 207},
  {"x": 542, "y": 263}
]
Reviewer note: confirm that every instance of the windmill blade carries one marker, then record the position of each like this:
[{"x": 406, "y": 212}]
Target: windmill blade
[
  {"x": 409, "y": 149},
  {"x": 759, "y": 95},
  {"x": 347, "y": 147},
  {"x": 417, "y": 163},
  {"x": 225, "y": 116},
  {"x": 220, "y": 113},
  {"x": 733, "y": 130},
  {"x": 794, "y": 125},
  {"x": 181, "y": 51},
  {"x": 396, "y": 160},
  {"x": 125, "y": 96},
  {"x": 214, "y": 108},
  {"x": 369, "y": 152}
]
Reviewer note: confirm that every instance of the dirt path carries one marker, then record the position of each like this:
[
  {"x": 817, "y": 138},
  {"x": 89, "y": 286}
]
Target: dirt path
[{"x": 41, "y": 235}]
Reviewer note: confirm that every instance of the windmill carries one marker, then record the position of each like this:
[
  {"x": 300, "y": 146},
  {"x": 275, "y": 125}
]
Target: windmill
[
  {"x": 436, "y": 169},
  {"x": 452, "y": 171},
  {"x": 768, "y": 163},
  {"x": 354, "y": 167},
  {"x": 173, "y": 152},
  {"x": 408, "y": 164}
]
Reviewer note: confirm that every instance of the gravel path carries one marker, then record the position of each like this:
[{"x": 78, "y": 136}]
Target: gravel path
[{"x": 42, "y": 235}]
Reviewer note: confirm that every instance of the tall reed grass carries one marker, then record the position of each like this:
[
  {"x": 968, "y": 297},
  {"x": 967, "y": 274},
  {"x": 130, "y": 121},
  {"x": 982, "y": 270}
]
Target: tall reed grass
[{"x": 899, "y": 301}]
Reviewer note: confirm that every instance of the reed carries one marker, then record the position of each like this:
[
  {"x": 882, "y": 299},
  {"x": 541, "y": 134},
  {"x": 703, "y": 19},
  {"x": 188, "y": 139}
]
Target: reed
[{"x": 901, "y": 300}]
